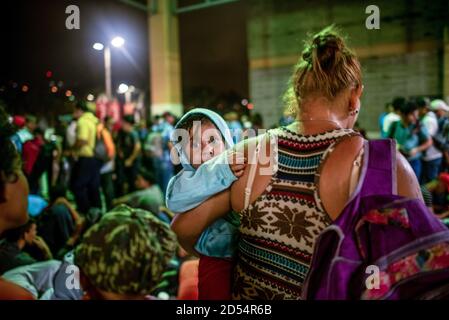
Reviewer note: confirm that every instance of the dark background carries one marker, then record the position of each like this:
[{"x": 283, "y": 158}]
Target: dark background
[{"x": 35, "y": 40}]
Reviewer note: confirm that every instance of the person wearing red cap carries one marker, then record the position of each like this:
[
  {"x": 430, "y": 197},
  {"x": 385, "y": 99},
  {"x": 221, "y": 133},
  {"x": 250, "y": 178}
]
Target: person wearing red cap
[{"x": 18, "y": 121}]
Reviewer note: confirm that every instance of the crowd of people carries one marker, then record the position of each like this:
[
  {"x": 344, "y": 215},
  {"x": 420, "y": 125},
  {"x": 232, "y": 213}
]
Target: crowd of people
[
  {"x": 114, "y": 217},
  {"x": 78, "y": 172},
  {"x": 420, "y": 128}
]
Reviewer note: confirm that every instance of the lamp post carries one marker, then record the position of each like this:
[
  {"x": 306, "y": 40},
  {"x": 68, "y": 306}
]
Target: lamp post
[{"x": 116, "y": 42}]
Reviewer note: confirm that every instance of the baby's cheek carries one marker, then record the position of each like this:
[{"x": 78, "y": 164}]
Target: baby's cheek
[
  {"x": 220, "y": 149},
  {"x": 206, "y": 156}
]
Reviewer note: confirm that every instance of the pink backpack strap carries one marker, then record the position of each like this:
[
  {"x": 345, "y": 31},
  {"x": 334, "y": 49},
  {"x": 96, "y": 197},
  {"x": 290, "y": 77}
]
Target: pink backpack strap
[{"x": 380, "y": 177}]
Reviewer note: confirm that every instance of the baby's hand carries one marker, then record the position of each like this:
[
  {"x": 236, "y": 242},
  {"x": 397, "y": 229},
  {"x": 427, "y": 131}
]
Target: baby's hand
[{"x": 237, "y": 163}]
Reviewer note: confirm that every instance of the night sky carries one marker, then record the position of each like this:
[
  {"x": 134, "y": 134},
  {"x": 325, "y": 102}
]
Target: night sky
[{"x": 35, "y": 40}]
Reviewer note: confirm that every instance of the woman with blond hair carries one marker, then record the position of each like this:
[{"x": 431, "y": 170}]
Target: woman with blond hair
[{"x": 317, "y": 173}]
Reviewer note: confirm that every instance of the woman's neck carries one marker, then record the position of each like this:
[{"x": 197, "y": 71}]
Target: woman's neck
[
  {"x": 320, "y": 115},
  {"x": 314, "y": 126}
]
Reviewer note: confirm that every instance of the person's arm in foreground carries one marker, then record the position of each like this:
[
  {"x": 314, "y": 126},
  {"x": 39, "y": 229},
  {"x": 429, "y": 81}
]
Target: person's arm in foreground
[{"x": 189, "y": 226}]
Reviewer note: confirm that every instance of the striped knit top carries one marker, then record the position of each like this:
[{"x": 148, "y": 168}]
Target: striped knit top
[{"x": 279, "y": 229}]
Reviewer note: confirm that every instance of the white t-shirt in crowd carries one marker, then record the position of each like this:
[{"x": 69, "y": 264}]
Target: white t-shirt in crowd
[{"x": 71, "y": 134}]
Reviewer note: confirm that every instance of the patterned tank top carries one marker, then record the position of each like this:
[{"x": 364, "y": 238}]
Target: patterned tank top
[{"x": 279, "y": 229}]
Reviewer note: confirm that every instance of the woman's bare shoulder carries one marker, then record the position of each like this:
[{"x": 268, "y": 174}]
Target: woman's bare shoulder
[
  {"x": 407, "y": 183},
  {"x": 335, "y": 177},
  {"x": 335, "y": 174}
]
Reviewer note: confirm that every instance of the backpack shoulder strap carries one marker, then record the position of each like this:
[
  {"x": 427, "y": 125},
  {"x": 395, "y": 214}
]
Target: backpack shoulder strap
[
  {"x": 252, "y": 172},
  {"x": 380, "y": 176}
]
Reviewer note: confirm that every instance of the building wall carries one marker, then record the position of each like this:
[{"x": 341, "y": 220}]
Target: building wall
[{"x": 405, "y": 57}]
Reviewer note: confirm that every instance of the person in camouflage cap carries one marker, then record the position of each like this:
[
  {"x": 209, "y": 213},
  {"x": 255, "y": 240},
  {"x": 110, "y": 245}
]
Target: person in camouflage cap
[{"x": 124, "y": 254}]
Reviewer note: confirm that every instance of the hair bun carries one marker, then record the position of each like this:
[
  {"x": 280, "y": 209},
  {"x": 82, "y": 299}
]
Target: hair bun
[
  {"x": 326, "y": 67},
  {"x": 327, "y": 48}
]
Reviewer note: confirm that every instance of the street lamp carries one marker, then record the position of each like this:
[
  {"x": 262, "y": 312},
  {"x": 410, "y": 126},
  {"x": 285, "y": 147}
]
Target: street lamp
[
  {"x": 122, "y": 88},
  {"x": 98, "y": 46},
  {"x": 116, "y": 42}
]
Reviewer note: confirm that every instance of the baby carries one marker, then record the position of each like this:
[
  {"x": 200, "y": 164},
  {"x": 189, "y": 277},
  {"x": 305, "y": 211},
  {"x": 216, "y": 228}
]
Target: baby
[{"x": 205, "y": 136}]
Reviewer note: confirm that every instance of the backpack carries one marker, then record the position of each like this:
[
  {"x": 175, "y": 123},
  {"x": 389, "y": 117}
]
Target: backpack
[
  {"x": 382, "y": 246},
  {"x": 101, "y": 151}
]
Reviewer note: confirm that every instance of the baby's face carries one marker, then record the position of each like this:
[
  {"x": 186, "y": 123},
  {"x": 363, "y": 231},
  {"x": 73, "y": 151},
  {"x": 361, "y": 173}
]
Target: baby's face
[{"x": 205, "y": 143}]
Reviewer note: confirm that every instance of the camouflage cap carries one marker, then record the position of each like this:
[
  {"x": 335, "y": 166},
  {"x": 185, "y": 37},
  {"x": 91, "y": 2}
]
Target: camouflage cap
[{"x": 126, "y": 252}]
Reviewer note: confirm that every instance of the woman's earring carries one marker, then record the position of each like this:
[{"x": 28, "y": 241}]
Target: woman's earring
[{"x": 354, "y": 112}]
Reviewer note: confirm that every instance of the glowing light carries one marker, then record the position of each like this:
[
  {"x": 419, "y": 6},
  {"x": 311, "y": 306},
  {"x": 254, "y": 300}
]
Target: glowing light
[
  {"x": 118, "y": 42},
  {"x": 250, "y": 106},
  {"x": 68, "y": 93},
  {"x": 244, "y": 102},
  {"x": 49, "y": 74},
  {"x": 122, "y": 88},
  {"x": 72, "y": 98},
  {"x": 25, "y": 88},
  {"x": 54, "y": 89},
  {"x": 90, "y": 97},
  {"x": 98, "y": 46}
]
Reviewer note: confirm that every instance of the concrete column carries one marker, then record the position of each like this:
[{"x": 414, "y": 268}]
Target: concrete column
[{"x": 165, "y": 64}]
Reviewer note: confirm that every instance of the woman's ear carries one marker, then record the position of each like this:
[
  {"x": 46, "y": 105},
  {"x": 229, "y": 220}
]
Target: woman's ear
[{"x": 354, "y": 98}]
